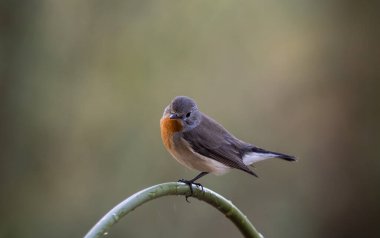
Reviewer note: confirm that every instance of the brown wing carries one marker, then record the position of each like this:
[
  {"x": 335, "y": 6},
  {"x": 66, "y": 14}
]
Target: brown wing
[{"x": 210, "y": 139}]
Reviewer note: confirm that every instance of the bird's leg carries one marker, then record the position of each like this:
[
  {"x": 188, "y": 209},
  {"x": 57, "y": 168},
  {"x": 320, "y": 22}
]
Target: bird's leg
[{"x": 191, "y": 182}]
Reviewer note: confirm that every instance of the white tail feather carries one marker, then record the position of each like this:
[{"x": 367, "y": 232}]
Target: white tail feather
[{"x": 253, "y": 157}]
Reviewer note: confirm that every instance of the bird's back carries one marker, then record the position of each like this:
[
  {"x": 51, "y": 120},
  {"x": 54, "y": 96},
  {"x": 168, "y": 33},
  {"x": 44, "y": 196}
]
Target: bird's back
[{"x": 212, "y": 140}]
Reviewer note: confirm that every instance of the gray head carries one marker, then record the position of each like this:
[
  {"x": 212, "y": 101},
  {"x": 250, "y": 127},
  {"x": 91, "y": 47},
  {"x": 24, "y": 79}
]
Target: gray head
[{"x": 186, "y": 110}]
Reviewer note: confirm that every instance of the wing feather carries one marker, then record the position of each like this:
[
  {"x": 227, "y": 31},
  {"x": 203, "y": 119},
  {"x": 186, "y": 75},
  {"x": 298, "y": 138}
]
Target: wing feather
[{"x": 210, "y": 139}]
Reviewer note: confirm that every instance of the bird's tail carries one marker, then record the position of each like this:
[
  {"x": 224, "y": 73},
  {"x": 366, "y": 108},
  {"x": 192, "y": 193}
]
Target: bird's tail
[{"x": 256, "y": 154}]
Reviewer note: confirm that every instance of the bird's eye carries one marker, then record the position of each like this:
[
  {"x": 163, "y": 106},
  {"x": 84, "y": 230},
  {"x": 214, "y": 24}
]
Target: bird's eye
[{"x": 188, "y": 114}]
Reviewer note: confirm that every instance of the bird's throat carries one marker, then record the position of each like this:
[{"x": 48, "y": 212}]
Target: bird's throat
[{"x": 168, "y": 128}]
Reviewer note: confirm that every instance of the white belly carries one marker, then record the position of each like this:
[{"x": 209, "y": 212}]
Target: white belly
[{"x": 187, "y": 157}]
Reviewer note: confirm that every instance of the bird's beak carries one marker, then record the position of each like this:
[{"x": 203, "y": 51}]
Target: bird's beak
[{"x": 174, "y": 116}]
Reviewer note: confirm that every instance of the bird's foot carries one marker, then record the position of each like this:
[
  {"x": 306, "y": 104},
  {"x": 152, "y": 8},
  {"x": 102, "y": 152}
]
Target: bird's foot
[{"x": 190, "y": 184}]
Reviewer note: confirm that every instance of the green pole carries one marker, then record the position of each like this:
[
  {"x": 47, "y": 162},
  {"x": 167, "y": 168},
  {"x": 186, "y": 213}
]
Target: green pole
[{"x": 223, "y": 205}]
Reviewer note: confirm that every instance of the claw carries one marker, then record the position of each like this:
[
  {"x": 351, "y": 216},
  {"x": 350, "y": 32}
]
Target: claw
[
  {"x": 199, "y": 185},
  {"x": 186, "y": 198},
  {"x": 190, "y": 184}
]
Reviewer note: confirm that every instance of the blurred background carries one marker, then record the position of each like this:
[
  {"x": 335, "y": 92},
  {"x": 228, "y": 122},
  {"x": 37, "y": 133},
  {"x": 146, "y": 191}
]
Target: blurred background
[{"x": 83, "y": 85}]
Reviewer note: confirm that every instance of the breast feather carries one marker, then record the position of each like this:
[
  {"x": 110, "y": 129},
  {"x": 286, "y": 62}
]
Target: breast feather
[{"x": 168, "y": 128}]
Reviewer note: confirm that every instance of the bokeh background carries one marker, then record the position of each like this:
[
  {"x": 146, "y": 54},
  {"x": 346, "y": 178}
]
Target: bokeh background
[{"x": 84, "y": 83}]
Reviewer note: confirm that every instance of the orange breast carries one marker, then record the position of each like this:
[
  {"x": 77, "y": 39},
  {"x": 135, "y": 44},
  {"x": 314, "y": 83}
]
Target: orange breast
[{"x": 168, "y": 128}]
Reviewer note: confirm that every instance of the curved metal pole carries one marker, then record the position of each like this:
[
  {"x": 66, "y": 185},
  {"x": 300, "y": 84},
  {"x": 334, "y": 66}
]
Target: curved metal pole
[{"x": 223, "y": 205}]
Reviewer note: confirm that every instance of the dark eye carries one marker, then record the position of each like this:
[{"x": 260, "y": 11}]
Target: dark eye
[{"x": 188, "y": 114}]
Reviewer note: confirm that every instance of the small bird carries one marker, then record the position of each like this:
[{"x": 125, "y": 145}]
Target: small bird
[{"x": 199, "y": 142}]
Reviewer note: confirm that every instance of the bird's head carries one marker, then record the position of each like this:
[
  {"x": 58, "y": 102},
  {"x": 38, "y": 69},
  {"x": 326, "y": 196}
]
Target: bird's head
[{"x": 185, "y": 110}]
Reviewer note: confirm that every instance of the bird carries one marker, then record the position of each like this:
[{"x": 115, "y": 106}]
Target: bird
[{"x": 199, "y": 142}]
